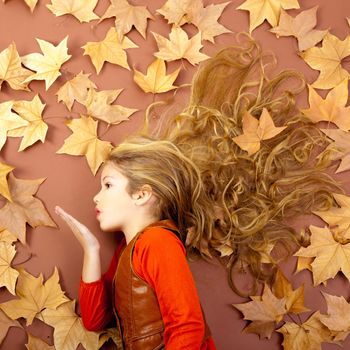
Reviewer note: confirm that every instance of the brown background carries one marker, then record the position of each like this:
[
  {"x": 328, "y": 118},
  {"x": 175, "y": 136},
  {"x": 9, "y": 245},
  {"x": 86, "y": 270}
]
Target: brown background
[{"x": 70, "y": 183}]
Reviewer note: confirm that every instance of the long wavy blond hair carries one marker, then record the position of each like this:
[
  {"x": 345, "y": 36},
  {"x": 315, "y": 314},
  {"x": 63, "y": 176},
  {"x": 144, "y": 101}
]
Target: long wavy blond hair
[{"x": 226, "y": 203}]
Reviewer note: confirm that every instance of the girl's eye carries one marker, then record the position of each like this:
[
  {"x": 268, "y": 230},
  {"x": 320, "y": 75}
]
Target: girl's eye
[{"x": 107, "y": 184}]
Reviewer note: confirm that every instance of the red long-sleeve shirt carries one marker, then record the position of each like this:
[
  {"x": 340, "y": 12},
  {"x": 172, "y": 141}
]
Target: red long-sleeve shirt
[{"x": 159, "y": 258}]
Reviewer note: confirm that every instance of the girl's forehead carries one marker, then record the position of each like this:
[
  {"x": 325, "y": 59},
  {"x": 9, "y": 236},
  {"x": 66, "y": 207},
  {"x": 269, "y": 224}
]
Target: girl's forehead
[{"x": 110, "y": 170}]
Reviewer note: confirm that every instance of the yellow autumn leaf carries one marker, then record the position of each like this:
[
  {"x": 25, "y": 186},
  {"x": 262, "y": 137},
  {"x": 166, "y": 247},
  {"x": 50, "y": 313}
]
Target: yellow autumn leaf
[
  {"x": 30, "y": 3},
  {"x": 330, "y": 255},
  {"x": 5, "y": 324},
  {"x": 35, "y": 343},
  {"x": 75, "y": 89},
  {"x": 68, "y": 328},
  {"x": 8, "y": 121},
  {"x": 301, "y": 27},
  {"x": 36, "y": 129},
  {"x": 47, "y": 65},
  {"x": 34, "y": 296},
  {"x": 25, "y": 208},
  {"x": 110, "y": 333},
  {"x": 8, "y": 275},
  {"x": 7, "y": 236},
  {"x": 340, "y": 148},
  {"x": 205, "y": 19},
  {"x": 82, "y": 10},
  {"x": 255, "y": 131},
  {"x": 127, "y": 15},
  {"x": 265, "y": 311},
  {"x": 304, "y": 264},
  {"x": 308, "y": 335},
  {"x": 11, "y": 70},
  {"x": 294, "y": 298},
  {"x": 99, "y": 105},
  {"x": 259, "y": 10},
  {"x": 328, "y": 60},
  {"x": 338, "y": 218},
  {"x": 110, "y": 49},
  {"x": 156, "y": 80},
  {"x": 180, "y": 46},
  {"x": 84, "y": 142},
  {"x": 4, "y": 188},
  {"x": 332, "y": 108}
]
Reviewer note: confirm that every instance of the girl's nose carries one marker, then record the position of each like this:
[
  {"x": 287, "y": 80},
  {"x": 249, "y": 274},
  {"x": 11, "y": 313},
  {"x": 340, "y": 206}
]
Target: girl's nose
[{"x": 96, "y": 199}]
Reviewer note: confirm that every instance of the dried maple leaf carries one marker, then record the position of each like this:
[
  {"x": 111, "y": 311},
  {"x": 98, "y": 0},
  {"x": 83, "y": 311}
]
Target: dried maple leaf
[
  {"x": 337, "y": 318},
  {"x": 4, "y": 189},
  {"x": 255, "y": 131},
  {"x": 204, "y": 18},
  {"x": 69, "y": 330},
  {"x": 30, "y": 3},
  {"x": 7, "y": 236},
  {"x": 36, "y": 129},
  {"x": 110, "y": 333},
  {"x": 327, "y": 59},
  {"x": 47, "y": 65},
  {"x": 300, "y": 27},
  {"x": 75, "y": 89},
  {"x": 110, "y": 49},
  {"x": 5, "y": 324},
  {"x": 24, "y": 208},
  {"x": 11, "y": 70},
  {"x": 340, "y": 148},
  {"x": 35, "y": 343},
  {"x": 83, "y": 11},
  {"x": 127, "y": 15},
  {"x": 338, "y": 218},
  {"x": 330, "y": 255},
  {"x": 156, "y": 80},
  {"x": 259, "y": 10},
  {"x": 34, "y": 296},
  {"x": 294, "y": 298},
  {"x": 304, "y": 264},
  {"x": 179, "y": 46},
  {"x": 308, "y": 335},
  {"x": 8, "y": 275},
  {"x": 84, "y": 142},
  {"x": 332, "y": 108},
  {"x": 8, "y": 121},
  {"x": 265, "y": 310},
  {"x": 99, "y": 105}
]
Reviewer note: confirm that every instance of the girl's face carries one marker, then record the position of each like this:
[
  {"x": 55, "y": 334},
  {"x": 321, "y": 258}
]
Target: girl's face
[{"x": 114, "y": 205}]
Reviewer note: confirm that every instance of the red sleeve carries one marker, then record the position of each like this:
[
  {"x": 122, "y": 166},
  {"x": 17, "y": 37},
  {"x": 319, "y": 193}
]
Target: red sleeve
[
  {"x": 160, "y": 259},
  {"x": 95, "y": 297}
]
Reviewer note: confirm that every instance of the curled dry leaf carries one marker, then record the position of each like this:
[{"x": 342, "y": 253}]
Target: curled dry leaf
[
  {"x": 84, "y": 142},
  {"x": 156, "y": 80},
  {"x": 83, "y": 11},
  {"x": 259, "y": 10},
  {"x": 127, "y": 15},
  {"x": 179, "y": 46},
  {"x": 111, "y": 49},
  {"x": 47, "y": 65}
]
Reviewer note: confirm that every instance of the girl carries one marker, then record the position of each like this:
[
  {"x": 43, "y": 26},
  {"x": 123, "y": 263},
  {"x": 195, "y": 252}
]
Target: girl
[{"x": 189, "y": 188}]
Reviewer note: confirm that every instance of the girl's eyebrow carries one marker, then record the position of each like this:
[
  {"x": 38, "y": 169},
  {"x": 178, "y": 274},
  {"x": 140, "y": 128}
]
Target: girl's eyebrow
[{"x": 108, "y": 176}]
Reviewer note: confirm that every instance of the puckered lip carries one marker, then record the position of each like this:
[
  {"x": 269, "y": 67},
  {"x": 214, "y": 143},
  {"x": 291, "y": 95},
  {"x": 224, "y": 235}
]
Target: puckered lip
[{"x": 98, "y": 211}]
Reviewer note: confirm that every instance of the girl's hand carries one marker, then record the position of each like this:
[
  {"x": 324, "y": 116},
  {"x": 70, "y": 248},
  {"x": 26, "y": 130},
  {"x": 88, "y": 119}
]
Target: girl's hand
[{"x": 85, "y": 237}]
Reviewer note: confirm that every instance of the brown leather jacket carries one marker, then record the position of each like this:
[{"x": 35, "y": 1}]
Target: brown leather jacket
[{"x": 135, "y": 304}]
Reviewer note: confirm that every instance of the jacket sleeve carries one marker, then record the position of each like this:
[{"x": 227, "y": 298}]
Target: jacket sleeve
[
  {"x": 95, "y": 298},
  {"x": 160, "y": 259}
]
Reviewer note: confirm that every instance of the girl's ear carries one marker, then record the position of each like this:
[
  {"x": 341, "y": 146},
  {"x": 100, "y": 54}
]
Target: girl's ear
[{"x": 143, "y": 195}]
